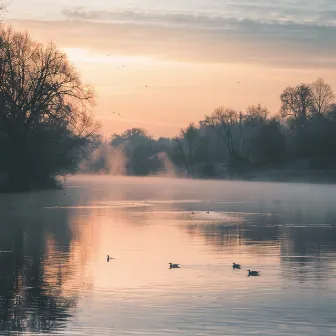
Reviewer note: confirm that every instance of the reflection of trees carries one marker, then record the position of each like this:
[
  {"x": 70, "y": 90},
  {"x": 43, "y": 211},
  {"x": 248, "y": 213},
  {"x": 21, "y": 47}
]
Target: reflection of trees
[
  {"x": 304, "y": 249},
  {"x": 308, "y": 248},
  {"x": 222, "y": 236},
  {"x": 262, "y": 229},
  {"x": 32, "y": 293},
  {"x": 309, "y": 241},
  {"x": 254, "y": 230}
]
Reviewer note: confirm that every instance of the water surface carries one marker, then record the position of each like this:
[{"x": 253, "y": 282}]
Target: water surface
[{"x": 55, "y": 278}]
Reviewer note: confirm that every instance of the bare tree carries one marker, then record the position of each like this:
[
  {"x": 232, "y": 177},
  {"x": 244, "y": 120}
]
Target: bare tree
[
  {"x": 253, "y": 120},
  {"x": 189, "y": 141},
  {"x": 297, "y": 102},
  {"x": 39, "y": 85},
  {"x": 224, "y": 121},
  {"x": 3, "y": 7},
  {"x": 322, "y": 95},
  {"x": 42, "y": 96},
  {"x": 256, "y": 113}
]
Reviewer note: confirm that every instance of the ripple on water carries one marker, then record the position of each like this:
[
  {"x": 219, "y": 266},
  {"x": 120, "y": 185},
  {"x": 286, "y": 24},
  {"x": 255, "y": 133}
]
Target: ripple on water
[{"x": 55, "y": 247}]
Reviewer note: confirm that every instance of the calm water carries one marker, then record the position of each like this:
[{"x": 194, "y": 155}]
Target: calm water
[{"x": 55, "y": 278}]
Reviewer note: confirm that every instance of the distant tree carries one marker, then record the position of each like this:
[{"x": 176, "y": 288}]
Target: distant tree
[
  {"x": 164, "y": 145},
  {"x": 130, "y": 134},
  {"x": 229, "y": 126},
  {"x": 46, "y": 123},
  {"x": 332, "y": 112},
  {"x": 269, "y": 144},
  {"x": 296, "y": 103},
  {"x": 211, "y": 153},
  {"x": 232, "y": 143},
  {"x": 224, "y": 121},
  {"x": 189, "y": 141},
  {"x": 322, "y": 95},
  {"x": 253, "y": 120},
  {"x": 256, "y": 114},
  {"x": 138, "y": 147}
]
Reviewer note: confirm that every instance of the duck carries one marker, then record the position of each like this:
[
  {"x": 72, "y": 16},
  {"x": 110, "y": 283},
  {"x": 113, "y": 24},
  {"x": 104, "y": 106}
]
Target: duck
[
  {"x": 174, "y": 265},
  {"x": 236, "y": 266},
  {"x": 108, "y": 258},
  {"x": 253, "y": 273}
]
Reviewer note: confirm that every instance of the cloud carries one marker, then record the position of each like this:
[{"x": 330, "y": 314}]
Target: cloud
[
  {"x": 201, "y": 38},
  {"x": 328, "y": 16},
  {"x": 265, "y": 27},
  {"x": 230, "y": 14}
]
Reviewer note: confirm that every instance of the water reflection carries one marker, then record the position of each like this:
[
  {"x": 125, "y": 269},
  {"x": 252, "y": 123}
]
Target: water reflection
[
  {"x": 55, "y": 277},
  {"x": 307, "y": 248},
  {"x": 37, "y": 268}
]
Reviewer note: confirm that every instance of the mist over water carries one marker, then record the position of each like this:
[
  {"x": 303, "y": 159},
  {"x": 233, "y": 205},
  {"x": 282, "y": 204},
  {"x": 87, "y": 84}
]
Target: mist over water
[
  {"x": 55, "y": 278},
  {"x": 114, "y": 160},
  {"x": 168, "y": 168}
]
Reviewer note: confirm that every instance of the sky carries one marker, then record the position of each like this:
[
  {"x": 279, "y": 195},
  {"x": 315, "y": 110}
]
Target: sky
[{"x": 163, "y": 64}]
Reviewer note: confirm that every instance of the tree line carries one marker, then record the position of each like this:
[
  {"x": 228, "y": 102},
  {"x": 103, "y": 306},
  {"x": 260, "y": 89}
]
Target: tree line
[
  {"x": 48, "y": 129},
  {"x": 230, "y": 143}
]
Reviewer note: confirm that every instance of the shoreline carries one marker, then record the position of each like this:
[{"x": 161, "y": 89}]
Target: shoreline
[
  {"x": 294, "y": 176},
  {"x": 304, "y": 176}
]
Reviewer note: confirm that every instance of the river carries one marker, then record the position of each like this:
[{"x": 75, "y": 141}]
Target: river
[{"x": 55, "y": 278}]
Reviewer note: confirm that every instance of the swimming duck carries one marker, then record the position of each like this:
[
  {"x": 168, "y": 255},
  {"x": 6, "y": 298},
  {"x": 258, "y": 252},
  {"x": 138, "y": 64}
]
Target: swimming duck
[
  {"x": 235, "y": 266},
  {"x": 253, "y": 273},
  {"x": 108, "y": 258},
  {"x": 174, "y": 265}
]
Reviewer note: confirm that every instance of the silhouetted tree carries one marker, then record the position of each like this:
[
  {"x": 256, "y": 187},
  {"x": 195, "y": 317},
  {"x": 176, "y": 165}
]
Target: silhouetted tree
[
  {"x": 229, "y": 126},
  {"x": 128, "y": 135},
  {"x": 269, "y": 144},
  {"x": 253, "y": 120},
  {"x": 296, "y": 103},
  {"x": 256, "y": 114},
  {"x": 138, "y": 147},
  {"x": 188, "y": 142},
  {"x": 224, "y": 121},
  {"x": 322, "y": 95},
  {"x": 46, "y": 124}
]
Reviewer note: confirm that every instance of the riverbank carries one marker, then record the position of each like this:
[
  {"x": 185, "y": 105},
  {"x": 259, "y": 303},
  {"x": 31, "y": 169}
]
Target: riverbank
[
  {"x": 295, "y": 176},
  {"x": 28, "y": 186},
  {"x": 316, "y": 176}
]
